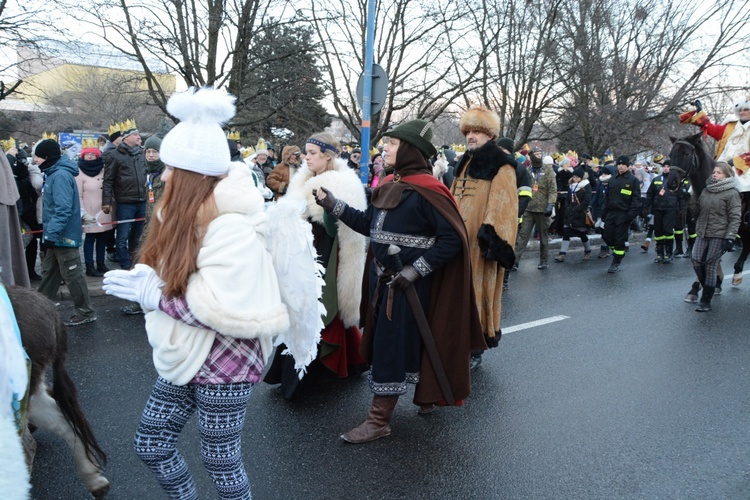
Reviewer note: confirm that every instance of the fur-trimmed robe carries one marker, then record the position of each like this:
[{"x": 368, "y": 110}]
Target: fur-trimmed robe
[
  {"x": 485, "y": 189},
  {"x": 351, "y": 257}
]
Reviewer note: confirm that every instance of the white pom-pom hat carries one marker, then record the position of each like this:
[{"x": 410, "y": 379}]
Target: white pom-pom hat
[{"x": 198, "y": 142}]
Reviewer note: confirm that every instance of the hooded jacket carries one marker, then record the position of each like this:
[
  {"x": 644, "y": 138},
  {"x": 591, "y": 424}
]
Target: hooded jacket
[{"x": 61, "y": 213}]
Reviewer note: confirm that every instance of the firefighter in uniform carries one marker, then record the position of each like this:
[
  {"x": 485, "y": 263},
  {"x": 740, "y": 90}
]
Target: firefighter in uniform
[
  {"x": 621, "y": 205},
  {"x": 663, "y": 202}
]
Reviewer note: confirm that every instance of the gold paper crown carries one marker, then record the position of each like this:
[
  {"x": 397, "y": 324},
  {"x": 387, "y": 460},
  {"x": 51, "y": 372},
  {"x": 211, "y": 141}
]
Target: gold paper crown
[
  {"x": 8, "y": 143},
  {"x": 458, "y": 148},
  {"x": 247, "y": 151},
  {"x": 373, "y": 152},
  {"x": 233, "y": 135},
  {"x": 49, "y": 136},
  {"x": 594, "y": 162},
  {"x": 572, "y": 154},
  {"x": 261, "y": 144},
  {"x": 89, "y": 143},
  {"x": 609, "y": 157},
  {"x": 115, "y": 127},
  {"x": 128, "y": 125},
  {"x": 557, "y": 156}
]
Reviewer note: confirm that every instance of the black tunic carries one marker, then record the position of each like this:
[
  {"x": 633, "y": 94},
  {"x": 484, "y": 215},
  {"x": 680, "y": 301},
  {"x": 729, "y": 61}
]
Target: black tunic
[{"x": 427, "y": 241}]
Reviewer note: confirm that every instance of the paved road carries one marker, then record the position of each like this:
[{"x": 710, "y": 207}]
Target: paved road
[{"x": 625, "y": 393}]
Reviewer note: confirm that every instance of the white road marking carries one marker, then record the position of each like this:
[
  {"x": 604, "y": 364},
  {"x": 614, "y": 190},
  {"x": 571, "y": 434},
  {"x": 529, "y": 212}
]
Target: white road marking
[{"x": 532, "y": 324}]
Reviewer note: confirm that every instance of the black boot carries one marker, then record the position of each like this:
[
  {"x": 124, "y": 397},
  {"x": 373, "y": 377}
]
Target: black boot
[
  {"x": 692, "y": 295},
  {"x": 659, "y": 253},
  {"x": 689, "y": 250},
  {"x": 667, "y": 252},
  {"x": 615, "y": 264},
  {"x": 91, "y": 271},
  {"x": 101, "y": 266},
  {"x": 705, "y": 303}
]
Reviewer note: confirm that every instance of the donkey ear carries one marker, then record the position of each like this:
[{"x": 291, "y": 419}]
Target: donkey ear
[
  {"x": 696, "y": 138},
  {"x": 673, "y": 139}
]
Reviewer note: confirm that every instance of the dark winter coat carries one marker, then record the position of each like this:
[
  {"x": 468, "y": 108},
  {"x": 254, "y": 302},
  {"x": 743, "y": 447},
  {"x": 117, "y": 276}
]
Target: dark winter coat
[
  {"x": 579, "y": 196},
  {"x": 623, "y": 195},
  {"x": 664, "y": 193},
  {"x": 124, "y": 176}
]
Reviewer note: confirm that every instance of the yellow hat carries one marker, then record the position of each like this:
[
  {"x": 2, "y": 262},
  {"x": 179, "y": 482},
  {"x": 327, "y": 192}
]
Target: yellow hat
[
  {"x": 8, "y": 144},
  {"x": 234, "y": 135}
]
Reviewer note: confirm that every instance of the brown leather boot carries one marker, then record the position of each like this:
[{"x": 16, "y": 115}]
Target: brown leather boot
[{"x": 376, "y": 424}]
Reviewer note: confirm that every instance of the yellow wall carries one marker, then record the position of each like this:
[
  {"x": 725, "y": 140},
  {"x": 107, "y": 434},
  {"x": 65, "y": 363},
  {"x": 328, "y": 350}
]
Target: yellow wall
[{"x": 73, "y": 78}]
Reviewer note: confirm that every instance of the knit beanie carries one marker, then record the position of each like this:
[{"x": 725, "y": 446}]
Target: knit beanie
[
  {"x": 623, "y": 160},
  {"x": 418, "y": 133},
  {"x": 47, "y": 149},
  {"x": 198, "y": 142},
  {"x": 579, "y": 172},
  {"x": 507, "y": 144},
  {"x": 94, "y": 151},
  {"x": 152, "y": 142},
  {"x": 547, "y": 160}
]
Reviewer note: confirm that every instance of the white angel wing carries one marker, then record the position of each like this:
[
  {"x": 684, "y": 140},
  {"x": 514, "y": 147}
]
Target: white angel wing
[{"x": 300, "y": 278}]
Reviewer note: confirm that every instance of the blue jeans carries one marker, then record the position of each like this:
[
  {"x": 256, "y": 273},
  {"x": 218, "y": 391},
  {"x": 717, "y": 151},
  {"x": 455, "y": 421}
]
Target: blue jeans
[
  {"x": 129, "y": 233},
  {"x": 100, "y": 239}
]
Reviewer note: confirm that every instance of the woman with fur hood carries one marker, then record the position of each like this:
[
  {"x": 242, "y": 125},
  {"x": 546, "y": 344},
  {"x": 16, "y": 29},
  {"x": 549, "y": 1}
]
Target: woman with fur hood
[
  {"x": 341, "y": 252},
  {"x": 421, "y": 321},
  {"x": 212, "y": 299},
  {"x": 579, "y": 197}
]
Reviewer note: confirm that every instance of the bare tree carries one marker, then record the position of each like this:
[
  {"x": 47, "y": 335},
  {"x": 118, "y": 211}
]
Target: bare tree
[
  {"x": 20, "y": 24},
  {"x": 418, "y": 43},
  {"x": 633, "y": 64},
  {"x": 204, "y": 42}
]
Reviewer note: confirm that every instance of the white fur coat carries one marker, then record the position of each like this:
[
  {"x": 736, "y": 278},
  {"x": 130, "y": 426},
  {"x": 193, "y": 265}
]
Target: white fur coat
[
  {"x": 346, "y": 186},
  {"x": 234, "y": 291}
]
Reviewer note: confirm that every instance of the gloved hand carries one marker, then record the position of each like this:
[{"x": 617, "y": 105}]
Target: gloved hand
[
  {"x": 698, "y": 106},
  {"x": 88, "y": 219},
  {"x": 550, "y": 207},
  {"x": 140, "y": 284},
  {"x": 325, "y": 199},
  {"x": 47, "y": 244},
  {"x": 728, "y": 245},
  {"x": 406, "y": 277},
  {"x": 599, "y": 223}
]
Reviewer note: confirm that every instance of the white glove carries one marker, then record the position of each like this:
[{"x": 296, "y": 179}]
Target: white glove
[
  {"x": 599, "y": 223},
  {"x": 140, "y": 284},
  {"x": 88, "y": 219}
]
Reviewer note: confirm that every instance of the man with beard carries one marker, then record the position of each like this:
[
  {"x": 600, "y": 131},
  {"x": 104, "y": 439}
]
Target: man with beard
[{"x": 486, "y": 188}]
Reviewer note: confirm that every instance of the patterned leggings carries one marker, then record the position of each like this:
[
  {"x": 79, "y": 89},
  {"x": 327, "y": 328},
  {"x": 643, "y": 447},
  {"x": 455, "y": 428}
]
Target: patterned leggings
[
  {"x": 221, "y": 417},
  {"x": 706, "y": 258}
]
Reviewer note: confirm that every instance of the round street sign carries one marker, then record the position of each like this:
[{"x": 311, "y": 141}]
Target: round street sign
[{"x": 379, "y": 88}]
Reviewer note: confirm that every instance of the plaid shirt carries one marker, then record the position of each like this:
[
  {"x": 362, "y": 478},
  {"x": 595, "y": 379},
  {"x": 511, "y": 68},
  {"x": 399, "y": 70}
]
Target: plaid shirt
[{"x": 230, "y": 360}]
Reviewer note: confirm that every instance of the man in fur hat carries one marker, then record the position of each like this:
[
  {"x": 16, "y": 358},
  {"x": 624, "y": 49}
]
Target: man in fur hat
[{"x": 487, "y": 190}]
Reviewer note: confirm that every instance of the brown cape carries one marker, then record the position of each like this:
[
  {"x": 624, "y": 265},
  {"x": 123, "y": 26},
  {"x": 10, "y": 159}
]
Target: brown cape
[{"x": 453, "y": 317}]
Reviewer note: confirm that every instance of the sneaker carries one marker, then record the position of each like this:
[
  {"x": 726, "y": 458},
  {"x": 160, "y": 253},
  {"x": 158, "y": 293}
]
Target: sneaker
[
  {"x": 659, "y": 259},
  {"x": 691, "y": 298},
  {"x": 717, "y": 291},
  {"x": 560, "y": 258},
  {"x": 603, "y": 254},
  {"x": 515, "y": 267},
  {"x": 667, "y": 259},
  {"x": 586, "y": 255},
  {"x": 475, "y": 361},
  {"x": 542, "y": 265},
  {"x": 737, "y": 279},
  {"x": 704, "y": 307},
  {"x": 613, "y": 268},
  {"x": 132, "y": 309},
  {"x": 76, "y": 320}
]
